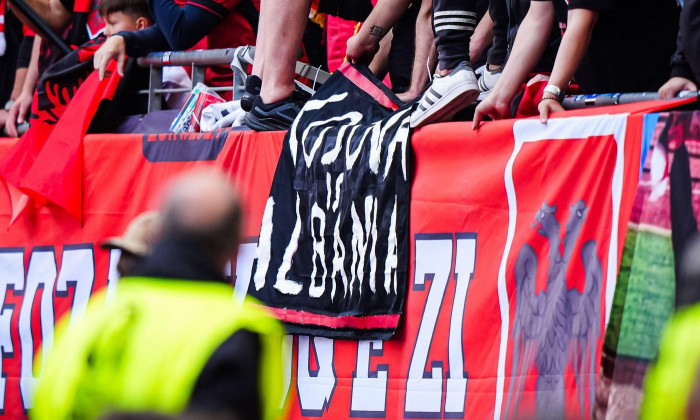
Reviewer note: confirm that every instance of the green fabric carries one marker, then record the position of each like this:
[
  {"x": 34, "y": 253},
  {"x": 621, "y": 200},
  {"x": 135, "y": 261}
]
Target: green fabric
[
  {"x": 649, "y": 298},
  {"x": 670, "y": 382},
  {"x": 145, "y": 349}
]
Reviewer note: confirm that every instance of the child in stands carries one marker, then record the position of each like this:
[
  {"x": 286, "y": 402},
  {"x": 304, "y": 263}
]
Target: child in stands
[{"x": 133, "y": 15}]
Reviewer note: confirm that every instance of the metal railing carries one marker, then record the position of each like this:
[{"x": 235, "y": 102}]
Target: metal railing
[
  {"x": 238, "y": 58},
  {"x": 603, "y": 99}
]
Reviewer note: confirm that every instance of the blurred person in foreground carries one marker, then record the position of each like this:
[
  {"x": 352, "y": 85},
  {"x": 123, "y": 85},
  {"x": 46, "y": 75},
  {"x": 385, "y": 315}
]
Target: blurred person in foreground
[{"x": 172, "y": 340}]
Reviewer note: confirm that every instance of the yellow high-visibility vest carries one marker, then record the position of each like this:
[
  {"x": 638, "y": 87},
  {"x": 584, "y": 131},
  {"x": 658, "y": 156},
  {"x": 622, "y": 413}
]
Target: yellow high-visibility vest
[
  {"x": 145, "y": 349},
  {"x": 669, "y": 382}
]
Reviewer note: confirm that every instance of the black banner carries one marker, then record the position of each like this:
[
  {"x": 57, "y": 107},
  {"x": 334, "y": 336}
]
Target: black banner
[{"x": 333, "y": 249}]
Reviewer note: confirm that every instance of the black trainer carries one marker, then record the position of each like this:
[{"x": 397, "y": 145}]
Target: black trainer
[
  {"x": 275, "y": 116},
  {"x": 301, "y": 96},
  {"x": 252, "y": 89}
]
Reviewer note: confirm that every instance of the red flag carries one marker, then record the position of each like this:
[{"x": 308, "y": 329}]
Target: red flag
[
  {"x": 57, "y": 171},
  {"x": 46, "y": 164}
]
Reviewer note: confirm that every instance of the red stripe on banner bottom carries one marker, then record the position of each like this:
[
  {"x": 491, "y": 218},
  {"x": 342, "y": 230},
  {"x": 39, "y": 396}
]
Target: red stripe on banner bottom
[
  {"x": 361, "y": 81},
  {"x": 348, "y": 321}
]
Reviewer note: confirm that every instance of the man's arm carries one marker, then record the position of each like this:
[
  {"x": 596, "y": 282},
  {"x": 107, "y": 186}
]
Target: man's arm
[
  {"x": 176, "y": 29},
  {"x": 529, "y": 45},
  {"x": 364, "y": 45},
  {"x": 50, "y": 11},
  {"x": 574, "y": 43},
  {"x": 185, "y": 26},
  {"x": 681, "y": 71},
  {"x": 18, "y": 112},
  {"x": 140, "y": 43}
]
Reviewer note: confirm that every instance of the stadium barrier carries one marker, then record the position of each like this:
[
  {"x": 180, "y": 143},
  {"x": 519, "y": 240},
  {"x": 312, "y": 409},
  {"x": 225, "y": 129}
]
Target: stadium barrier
[
  {"x": 475, "y": 195},
  {"x": 239, "y": 59}
]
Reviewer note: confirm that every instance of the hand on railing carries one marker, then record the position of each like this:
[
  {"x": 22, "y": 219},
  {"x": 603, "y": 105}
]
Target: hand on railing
[{"x": 674, "y": 86}]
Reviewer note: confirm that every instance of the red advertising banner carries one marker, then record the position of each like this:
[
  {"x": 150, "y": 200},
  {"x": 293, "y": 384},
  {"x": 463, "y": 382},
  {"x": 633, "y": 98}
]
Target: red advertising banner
[{"x": 516, "y": 233}]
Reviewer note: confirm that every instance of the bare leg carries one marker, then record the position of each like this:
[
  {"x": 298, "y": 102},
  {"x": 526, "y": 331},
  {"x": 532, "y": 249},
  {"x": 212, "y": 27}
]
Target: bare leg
[
  {"x": 424, "y": 50},
  {"x": 279, "y": 36}
]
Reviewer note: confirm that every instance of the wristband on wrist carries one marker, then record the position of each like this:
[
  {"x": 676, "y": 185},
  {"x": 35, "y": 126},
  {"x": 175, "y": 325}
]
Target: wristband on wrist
[
  {"x": 9, "y": 104},
  {"x": 556, "y": 91}
]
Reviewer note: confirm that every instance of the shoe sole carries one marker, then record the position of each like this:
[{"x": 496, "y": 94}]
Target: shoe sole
[
  {"x": 264, "y": 124},
  {"x": 448, "y": 105}
]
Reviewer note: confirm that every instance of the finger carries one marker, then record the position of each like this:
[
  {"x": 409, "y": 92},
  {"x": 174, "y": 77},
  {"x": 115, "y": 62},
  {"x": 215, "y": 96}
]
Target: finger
[
  {"x": 23, "y": 108},
  {"x": 120, "y": 64},
  {"x": 12, "y": 113},
  {"x": 11, "y": 128},
  {"x": 99, "y": 69},
  {"x": 477, "y": 119},
  {"x": 100, "y": 66},
  {"x": 544, "y": 114},
  {"x": 665, "y": 92}
]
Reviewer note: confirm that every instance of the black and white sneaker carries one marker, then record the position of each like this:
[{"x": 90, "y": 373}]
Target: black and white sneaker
[
  {"x": 252, "y": 89},
  {"x": 488, "y": 80},
  {"x": 446, "y": 96},
  {"x": 275, "y": 116}
]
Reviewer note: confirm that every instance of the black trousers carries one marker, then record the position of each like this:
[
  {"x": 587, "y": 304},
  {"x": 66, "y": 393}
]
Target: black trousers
[
  {"x": 498, "y": 10},
  {"x": 454, "y": 22}
]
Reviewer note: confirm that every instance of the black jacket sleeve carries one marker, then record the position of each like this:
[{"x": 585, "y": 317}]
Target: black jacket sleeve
[
  {"x": 177, "y": 28},
  {"x": 184, "y": 26},
  {"x": 679, "y": 64},
  {"x": 689, "y": 40},
  {"x": 140, "y": 43}
]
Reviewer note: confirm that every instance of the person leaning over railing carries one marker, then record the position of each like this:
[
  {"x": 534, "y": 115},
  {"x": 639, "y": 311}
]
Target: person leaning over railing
[
  {"x": 229, "y": 23},
  {"x": 133, "y": 15},
  {"x": 622, "y": 46},
  {"x": 685, "y": 64}
]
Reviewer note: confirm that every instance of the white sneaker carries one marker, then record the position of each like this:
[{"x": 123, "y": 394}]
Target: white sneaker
[
  {"x": 447, "y": 95},
  {"x": 488, "y": 80}
]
